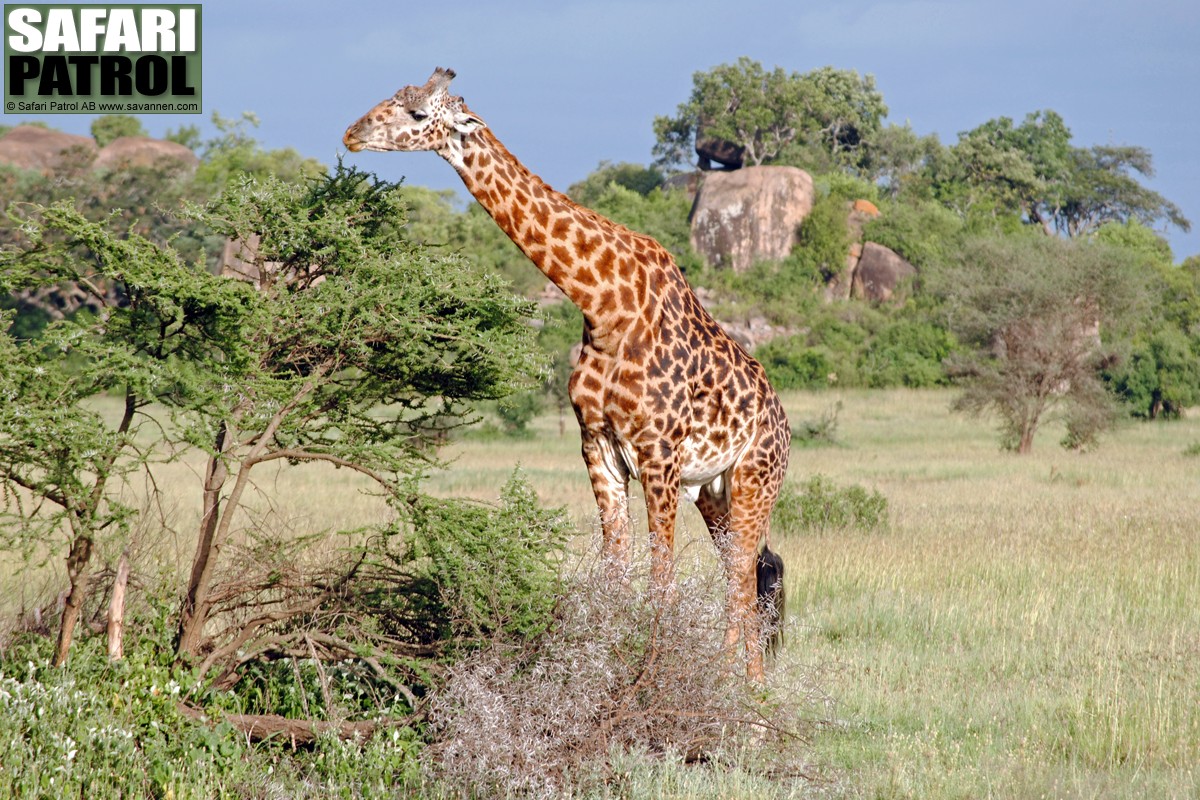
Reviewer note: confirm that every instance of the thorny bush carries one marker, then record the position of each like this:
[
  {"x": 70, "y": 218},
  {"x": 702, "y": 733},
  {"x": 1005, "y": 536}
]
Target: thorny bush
[{"x": 618, "y": 671}]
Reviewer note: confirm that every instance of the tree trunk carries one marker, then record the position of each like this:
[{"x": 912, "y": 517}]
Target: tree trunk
[
  {"x": 214, "y": 525},
  {"x": 195, "y": 605},
  {"x": 78, "y": 566},
  {"x": 116, "y": 610},
  {"x": 1026, "y": 444},
  {"x": 83, "y": 525}
]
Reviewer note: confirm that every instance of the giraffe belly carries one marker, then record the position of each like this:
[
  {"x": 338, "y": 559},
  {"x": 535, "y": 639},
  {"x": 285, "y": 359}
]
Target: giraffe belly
[
  {"x": 701, "y": 465},
  {"x": 705, "y": 465}
]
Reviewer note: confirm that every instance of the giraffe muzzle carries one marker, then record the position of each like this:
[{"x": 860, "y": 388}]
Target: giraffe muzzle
[{"x": 351, "y": 140}]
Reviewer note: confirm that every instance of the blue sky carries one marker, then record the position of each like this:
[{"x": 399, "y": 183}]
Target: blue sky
[{"x": 568, "y": 84}]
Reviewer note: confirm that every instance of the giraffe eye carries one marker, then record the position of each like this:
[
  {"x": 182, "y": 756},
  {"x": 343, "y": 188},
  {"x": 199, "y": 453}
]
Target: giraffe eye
[{"x": 418, "y": 114}]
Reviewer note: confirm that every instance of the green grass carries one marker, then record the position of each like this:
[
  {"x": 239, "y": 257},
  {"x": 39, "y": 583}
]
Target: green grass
[
  {"x": 1021, "y": 626},
  {"x": 1026, "y": 626}
]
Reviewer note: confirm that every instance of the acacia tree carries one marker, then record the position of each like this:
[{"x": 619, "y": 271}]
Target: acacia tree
[
  {"x": 63, "y": 465},
  {"x": 363, "y": 349},
  {"x": 1160, "y": 374},
  {"x": 348, "y": 349},
  {"x": 1035, "y": 312},
  {"x": 1032, "y": 171}
]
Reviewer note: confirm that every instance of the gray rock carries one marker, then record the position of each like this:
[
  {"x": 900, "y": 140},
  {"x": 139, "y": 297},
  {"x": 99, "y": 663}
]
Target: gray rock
[
  {"x": 750, "y": 214},
  {"x": 880, "y": 273}
]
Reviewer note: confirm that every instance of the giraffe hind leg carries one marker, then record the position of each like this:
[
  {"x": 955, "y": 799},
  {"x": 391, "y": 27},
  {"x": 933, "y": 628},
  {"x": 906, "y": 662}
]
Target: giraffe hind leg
[
  {"x": 756, "y": 572},
  {"x": 736, "y": 537}
]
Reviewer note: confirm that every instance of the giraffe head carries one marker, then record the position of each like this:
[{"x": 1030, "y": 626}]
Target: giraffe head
[{"x": 417, "y": 118}]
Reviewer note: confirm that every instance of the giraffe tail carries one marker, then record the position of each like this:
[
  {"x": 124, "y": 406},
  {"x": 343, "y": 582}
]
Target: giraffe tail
[{"x": 771, "y": 597}]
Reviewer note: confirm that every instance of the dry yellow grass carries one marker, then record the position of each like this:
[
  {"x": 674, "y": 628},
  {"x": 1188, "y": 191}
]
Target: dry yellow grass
[{"x": 1024, "y": 626}]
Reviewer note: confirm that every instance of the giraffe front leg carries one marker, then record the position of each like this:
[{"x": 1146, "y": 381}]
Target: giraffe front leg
[
  {"x": 660, "y": 484},
  {"x": 610, "y": 485}
]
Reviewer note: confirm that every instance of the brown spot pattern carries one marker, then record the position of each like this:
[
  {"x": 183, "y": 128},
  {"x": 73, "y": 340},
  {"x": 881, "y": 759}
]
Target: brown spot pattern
[{"x": 660, "y": 391}]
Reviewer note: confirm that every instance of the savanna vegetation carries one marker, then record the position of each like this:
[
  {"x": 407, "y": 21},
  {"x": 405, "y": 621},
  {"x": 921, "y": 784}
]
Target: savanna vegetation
[{"x": 328, "y": 533}]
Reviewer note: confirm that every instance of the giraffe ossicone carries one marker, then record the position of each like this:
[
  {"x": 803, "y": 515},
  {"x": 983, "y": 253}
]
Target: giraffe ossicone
[{"x": 661, "y": 393}]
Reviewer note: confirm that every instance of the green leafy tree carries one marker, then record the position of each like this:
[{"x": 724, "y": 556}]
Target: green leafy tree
[
  {"x": 842, "y": 111},
  {"x": 774, "y": 116},
  {"x": 62, "y": 466},
  {"x": 925, "y": 233},
  {"x": 234, "y": 153},
  {"x": 741, "y": 103},
  {"x": 1032, "y": 172},
  {"x": 895, "y": 157},
  {"x": 1160, "y": 374},
  {"x": 634, "y": 177},
  {"x": 561, "y": 331},
  {"x": 1160, "y": 377},
  {"x": 435, "y": 221},
  {"x": 1103, "y": 186},
  {"x": 365, "y": 347},
  {"x": 659, "y": 213},
  {"x": 908, "y": 352},
  {"x": 1131, "y": 235},
  {"x": 187, "y": 135},
  {"x": 792, "y": 364},
  {"x": 354, "y": 350}
]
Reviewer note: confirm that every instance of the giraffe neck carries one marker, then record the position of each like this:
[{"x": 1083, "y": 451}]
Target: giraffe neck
[{"x": 599, "y": 265}]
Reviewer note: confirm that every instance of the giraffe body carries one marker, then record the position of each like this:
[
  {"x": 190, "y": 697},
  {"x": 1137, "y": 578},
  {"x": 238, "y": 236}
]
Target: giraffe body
[{"x": 662, "y": 394}]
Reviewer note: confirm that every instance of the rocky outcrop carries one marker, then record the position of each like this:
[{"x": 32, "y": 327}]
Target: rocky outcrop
[
  {"x": 873, "y": 272},
  {"x": 713, "y": 149},
  {"x": 858, "y": 214},
  {"x": 142, "y": 151},
  {"x": 880, "y": 274},
  {"x": 36, "y": 148},
  {"x": 750, "y": 214}
]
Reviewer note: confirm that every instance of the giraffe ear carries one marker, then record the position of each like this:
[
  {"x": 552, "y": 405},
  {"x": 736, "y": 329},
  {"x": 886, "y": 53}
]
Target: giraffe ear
[{"x": 465, "y": 122}]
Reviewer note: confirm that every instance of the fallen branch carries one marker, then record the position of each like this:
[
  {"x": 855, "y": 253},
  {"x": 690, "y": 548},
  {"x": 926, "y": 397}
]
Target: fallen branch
[{"x": 298, "y": 732}]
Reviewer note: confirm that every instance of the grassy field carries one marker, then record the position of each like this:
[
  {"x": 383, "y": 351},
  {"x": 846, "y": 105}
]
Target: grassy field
[
  {"x": 1022, "y": 627},
  {"x": 1027, "y": 627}
]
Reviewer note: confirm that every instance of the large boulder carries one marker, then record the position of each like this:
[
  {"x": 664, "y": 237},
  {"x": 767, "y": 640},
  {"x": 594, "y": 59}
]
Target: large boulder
[
  {"x": 880, "y": 272},
  {"x": 858, "y": 214},
  {"x": 36, "y": 148},
  {"x": 142, "y": 151},
  {"x": 750, "y": 214}
]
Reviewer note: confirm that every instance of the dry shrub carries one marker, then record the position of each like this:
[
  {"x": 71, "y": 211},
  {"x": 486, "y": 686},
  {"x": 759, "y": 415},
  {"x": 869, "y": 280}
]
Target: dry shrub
[{"x": 617, "y": 672}]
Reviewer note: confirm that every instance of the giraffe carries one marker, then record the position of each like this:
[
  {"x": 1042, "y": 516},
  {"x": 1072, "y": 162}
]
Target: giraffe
[{"x": 661, "y": 393}]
